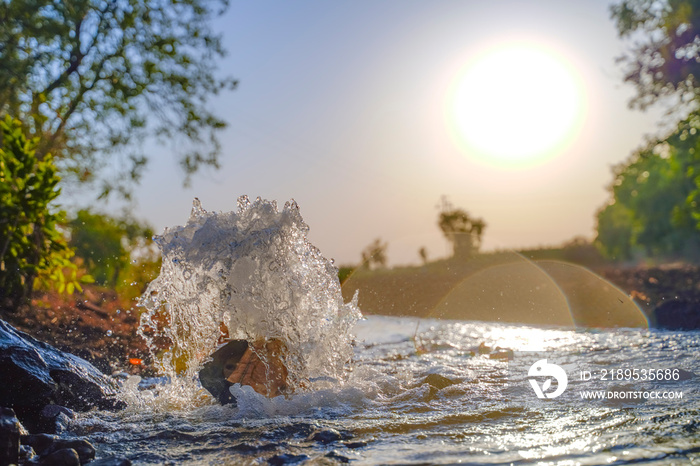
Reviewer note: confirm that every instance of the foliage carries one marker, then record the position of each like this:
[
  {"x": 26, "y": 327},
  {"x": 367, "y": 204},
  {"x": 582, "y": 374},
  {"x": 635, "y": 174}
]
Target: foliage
[
  {"x": 32, "y": 247},
  {"x": 374, "y": 256},
  {"x": 93, "y": 77},
  {"x": 460, "y": 229},
  {"x": 653, "y": 211},
  {"x": 664, "y": 57},
  {"x": 654, "y": 207},
  {"x": 108, "y": 245}
]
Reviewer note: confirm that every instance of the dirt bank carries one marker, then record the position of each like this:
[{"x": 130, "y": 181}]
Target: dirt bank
[{"x": 94, "y": 325}]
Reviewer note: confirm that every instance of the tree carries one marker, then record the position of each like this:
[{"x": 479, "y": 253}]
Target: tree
[
  {"x": 654, "y": 210},
  {"x": 664, "y": 59},
  {"x": 423, "y": 253},
  {"x": 374, "y": 255},
  {"x": 655, "y": 204},
  {"x": 107, "y": 244},
  {"x": 92, "y": 78},
  {"x": 32, "y": 247},
  {"x": 460, "y": 229}
]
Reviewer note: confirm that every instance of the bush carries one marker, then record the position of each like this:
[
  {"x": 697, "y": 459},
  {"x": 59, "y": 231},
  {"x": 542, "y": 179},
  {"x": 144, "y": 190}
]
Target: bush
[{"x": 32, "y": 247}]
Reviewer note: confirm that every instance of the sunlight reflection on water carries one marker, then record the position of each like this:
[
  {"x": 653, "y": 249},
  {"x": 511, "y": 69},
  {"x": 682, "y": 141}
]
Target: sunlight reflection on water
[{"x": 389, "y": 412}]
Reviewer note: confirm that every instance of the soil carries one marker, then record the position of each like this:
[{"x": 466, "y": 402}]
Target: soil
[
  {"x": 651, "y": 286},
  {"x": 95, "y": 325}
]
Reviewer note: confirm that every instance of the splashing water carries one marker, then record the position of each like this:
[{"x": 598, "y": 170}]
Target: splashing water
[{"x": 254, "y": 272}]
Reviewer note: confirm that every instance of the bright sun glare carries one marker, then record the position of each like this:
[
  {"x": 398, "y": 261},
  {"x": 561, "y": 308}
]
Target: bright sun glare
[{"x": 516, "y": 105}]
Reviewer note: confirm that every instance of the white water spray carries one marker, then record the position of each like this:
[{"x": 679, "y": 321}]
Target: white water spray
[{"x": 254, "y": 272}]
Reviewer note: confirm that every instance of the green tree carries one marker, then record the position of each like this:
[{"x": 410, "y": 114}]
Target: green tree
[
  {"x": 93, "y": 78},
  {"x": 108, "y": 245},
  {"x": 653, "y": 211},
  {"x": 664, "y": 50},
  {"x": 461, "y": 229},
  {"x": 615, "y": 226},
  {"x": 32, "y": 247}
]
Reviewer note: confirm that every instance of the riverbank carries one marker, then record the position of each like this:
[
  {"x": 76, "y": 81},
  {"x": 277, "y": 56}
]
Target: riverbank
[{"x": 96, "y": 325}]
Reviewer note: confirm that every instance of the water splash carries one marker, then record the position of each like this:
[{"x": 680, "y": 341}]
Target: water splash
[{"x": 254, "y": 272}]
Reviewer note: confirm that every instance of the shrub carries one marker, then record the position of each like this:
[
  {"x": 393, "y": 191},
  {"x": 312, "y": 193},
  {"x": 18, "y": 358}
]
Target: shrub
[{"x": 32, "y": 247}]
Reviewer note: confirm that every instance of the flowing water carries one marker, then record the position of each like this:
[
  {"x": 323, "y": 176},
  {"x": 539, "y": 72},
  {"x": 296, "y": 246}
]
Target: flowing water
[{"x": 381, "y": 390}]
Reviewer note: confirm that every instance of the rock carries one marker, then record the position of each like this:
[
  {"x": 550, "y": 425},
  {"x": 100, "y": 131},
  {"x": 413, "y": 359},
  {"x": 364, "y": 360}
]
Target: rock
[
  {"x": 46, "y": 445},
  {"x": 41, "y": 375},
  {"x": 54, "y": 419},
  {"x": 337, "y": 457},
  {"x": 85, "y": 450},
  {"x": 53, "y": 411},
  {"x": 39, "y": 442},
  {"x": 9, "y": 436},
  {"x": 213, "y": 374},
  {"x": 676, "y": 315},
  {"x": 26, "y": 454},
  {"x": 286, "y": 458},
  {"x": 438, "y": 381},
  {"x": 65, "y": 457},
  {"x": 355, "y": 444},
  {"x": 502, "y": 354},
  {"x": 111, "y": 461},
  {"x": 326, "y": 436}
]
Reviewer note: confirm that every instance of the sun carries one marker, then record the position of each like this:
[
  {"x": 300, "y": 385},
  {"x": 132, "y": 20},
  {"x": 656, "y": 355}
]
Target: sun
[{"x": 516, "y": 105}]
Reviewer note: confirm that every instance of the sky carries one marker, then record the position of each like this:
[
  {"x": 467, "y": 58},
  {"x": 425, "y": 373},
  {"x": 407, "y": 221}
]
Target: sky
[{"x": 352, "y": 108}]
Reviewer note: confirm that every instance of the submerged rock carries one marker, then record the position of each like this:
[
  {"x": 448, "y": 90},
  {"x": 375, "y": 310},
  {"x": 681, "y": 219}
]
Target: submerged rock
[
  {"x": 286, "y": 458},
  {"x": 111, "y": 461},
  {"x": 214, "y": 373},
  {"x": 259, "y": 365},
  {"x": 439, "y": 381},
  {"x": 37, "y": 375},
  {"x": 325, "y": 436},
  {"x": 337, "y": 457}
]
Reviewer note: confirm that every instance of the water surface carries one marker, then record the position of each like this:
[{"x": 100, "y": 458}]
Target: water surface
[{"x": 386, "y": 413}]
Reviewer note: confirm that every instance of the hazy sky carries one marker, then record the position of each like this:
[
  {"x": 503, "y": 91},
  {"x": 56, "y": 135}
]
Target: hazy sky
[{"x": 345, "y": 107}]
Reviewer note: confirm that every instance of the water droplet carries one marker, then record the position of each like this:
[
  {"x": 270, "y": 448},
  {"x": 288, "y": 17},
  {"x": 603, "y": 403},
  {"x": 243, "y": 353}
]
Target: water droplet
[{"x": 109, "y": 333}]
